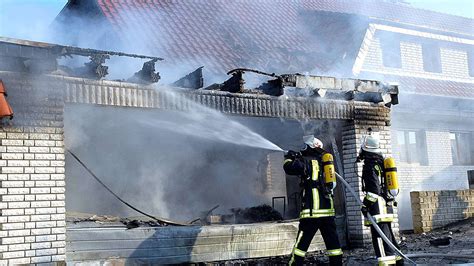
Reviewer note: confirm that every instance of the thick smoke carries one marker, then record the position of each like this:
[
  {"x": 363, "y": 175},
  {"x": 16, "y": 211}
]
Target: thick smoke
[{"x": 170, "y": 163}]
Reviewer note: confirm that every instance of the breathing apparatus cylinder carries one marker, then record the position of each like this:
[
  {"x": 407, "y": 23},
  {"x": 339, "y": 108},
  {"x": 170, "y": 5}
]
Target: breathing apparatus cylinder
[
  {"x": 328, "y": 168},
  {"x": 391, "y": 179}
]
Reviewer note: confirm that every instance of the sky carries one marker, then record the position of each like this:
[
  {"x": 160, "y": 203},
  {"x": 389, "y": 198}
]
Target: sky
[{"x": 31, "y": 18}]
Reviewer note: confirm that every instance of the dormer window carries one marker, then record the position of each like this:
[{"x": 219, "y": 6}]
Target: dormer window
[
  {"x": 431, "y": 58},
  {"x": 391, "y": 55}
]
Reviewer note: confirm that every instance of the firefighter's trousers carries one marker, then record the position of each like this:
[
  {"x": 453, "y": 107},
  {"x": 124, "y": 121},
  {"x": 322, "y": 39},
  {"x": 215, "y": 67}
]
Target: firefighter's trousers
[
  {"x": 385, "y": 255},
  {"x": 307, "y": 229}
]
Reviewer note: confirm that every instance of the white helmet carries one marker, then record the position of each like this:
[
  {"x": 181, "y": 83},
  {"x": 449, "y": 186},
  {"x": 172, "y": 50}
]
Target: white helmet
[
  {"x": 371, "y": 142},
  {"x": 312, "y": 142}
]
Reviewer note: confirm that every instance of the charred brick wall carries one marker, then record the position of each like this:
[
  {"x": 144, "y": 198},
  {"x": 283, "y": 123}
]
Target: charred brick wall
[
  {"x": 377, "y": 118},
  {"x": 434, "y": 209},
  {"x": 32, "y": 180}
]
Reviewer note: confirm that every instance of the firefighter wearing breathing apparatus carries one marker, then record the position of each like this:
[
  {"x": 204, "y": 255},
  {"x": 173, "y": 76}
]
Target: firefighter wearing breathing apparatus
[
  {"x": 315, "y": 168},
  {"x": 380, "y": 184}
]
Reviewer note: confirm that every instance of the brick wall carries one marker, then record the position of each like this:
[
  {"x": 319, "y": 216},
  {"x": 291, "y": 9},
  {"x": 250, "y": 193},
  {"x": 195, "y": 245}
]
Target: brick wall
[
  {"x": 378, "y": 119},
  {"x": 32, "y": 180},
  {"x": 454, "y": 62},
  {"x": 434, "y": 209},
  {"x": 438, "y": 174}
]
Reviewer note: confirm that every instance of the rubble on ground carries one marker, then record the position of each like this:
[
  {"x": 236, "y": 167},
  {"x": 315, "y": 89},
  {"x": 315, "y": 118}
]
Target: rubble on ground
[{"x": 261, "y": 213}]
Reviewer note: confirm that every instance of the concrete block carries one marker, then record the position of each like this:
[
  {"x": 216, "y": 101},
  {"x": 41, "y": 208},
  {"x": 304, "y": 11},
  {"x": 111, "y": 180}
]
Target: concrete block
[
  {"x": 12, "y": 156},
  {"x": 41, "y": 217},
  {"x": 15, "y": 219},
  {"x": 45, "y": 143},
  {"x": 12, "y": 240},
  {"x": 45, "y": 156},
  {"x": 17, "y": 247},
  {"x": 9, "y": 142},
  {"x": 18, "y": 177},
  {"x": 12, "y": 170},
  {"x": 41, "y": 245},
  {"x": 58, "y": 258},
  {"x": 18, "y": 191},
  {"x": 19, "y": 261},
  {"x": 45, "y": 211},
  {"x": 12, "y": 226},
  {"x": 30, "y": 225},
  {"x": 58, "y": 244},
  {"x": 45, "y": 170},
  {"x": 40, "y": 204},
  {"x": 11, "y": 149},
  {"x": 40, "y": 176},
  {"x": 42, "y": 231},
  {"x": 12, "y": 198},
  {"x": 17, "y": 205},
  {"x": 46, "y": 238},
  {"x": 58, "y": 176},
  {"x": 15, "y": 233},
  {"x": 45, "y": 197},
  {"x": 42, "y": 259},
  {"x": 18, "y": 163},
  {"x": 45, "y": 183},
  {"x": 40, "y": 150},
  {"x": 39, "y": 136},
  {"x": 42, "y": 190},
  {"x": 45, "y": 224},
  {"x": 58, "y": 190},
  {"x": 40, "y": 163}
]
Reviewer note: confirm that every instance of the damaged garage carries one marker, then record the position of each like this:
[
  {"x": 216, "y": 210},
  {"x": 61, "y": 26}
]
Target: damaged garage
[{"x": 203, "y": 163}]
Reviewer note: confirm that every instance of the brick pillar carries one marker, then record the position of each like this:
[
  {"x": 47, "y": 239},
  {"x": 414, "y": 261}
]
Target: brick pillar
[
  {"x": 32, "y": 180},
  {"x": 377, "y": 118}
]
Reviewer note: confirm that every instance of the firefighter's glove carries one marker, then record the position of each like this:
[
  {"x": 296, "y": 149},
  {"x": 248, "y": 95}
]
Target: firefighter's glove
[
  {"x": 291, "y": 155},
  {"x": 364, "y": 210}
]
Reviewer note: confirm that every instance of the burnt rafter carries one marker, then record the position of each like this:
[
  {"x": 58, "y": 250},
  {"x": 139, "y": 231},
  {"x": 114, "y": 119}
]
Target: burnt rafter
[
  {"x": 93, "y": 69},
  {"x": 147, "y": 74},
  {"x": 193, "y": 80},
  {"x": 235, "y": 83}
]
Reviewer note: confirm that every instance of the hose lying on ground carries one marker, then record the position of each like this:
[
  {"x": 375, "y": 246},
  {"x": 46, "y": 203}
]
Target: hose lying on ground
[
  {"x": 159, "y": 220},
  {"x": 372, "y": 221},
  {"x": 453, "y": 256}
]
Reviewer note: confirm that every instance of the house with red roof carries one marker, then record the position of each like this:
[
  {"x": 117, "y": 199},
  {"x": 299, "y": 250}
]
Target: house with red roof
[{"x": 429, "y": 54}]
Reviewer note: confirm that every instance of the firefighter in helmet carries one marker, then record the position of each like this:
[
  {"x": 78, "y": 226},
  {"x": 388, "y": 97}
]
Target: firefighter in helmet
[
  {"x": 315, "y": 169},
  {"x": 380, "y": 185}
]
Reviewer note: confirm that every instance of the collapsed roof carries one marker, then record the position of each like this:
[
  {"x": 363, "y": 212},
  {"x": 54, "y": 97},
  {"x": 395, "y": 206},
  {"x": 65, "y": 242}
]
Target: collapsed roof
[{"x": 41, "y": 58}]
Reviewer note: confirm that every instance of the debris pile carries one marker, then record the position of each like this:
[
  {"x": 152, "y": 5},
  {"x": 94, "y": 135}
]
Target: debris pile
[{"x": 261, "y": 213}]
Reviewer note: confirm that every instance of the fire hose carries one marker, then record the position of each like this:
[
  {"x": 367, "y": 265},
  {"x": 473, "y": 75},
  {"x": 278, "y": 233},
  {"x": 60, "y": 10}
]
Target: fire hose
[
  {"x": 159, "y": 220},
  {"x": 372, "y": 221}
]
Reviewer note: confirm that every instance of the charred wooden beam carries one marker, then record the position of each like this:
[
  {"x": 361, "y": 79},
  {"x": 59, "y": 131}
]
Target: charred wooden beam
[
  {"x": 235, "y": 83},
  {"x": 70, "y": 50},
  {"x": 193, "y": 80},
  {"x": 274, "y": 87},
  {"x": 147, "y": 74},
  {"x": 93, "y": 69}
]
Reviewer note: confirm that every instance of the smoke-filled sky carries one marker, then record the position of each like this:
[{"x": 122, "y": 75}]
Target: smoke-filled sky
[{"x": 28, "y": 19}]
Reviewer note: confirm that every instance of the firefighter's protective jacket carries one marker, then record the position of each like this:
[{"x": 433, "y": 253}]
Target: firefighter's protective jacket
[
  {"x": 315, "y": 201},
  {"x": 372, "y": 174}
]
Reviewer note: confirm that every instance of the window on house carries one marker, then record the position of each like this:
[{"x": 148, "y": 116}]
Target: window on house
[
  {"x": 461, "y": 148},
  {"x": 431, "y": 58},
  {"x": 391, "y": 55},
  {"x": 470, "y": 62},
  {"x": 411, "y": 146}
]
